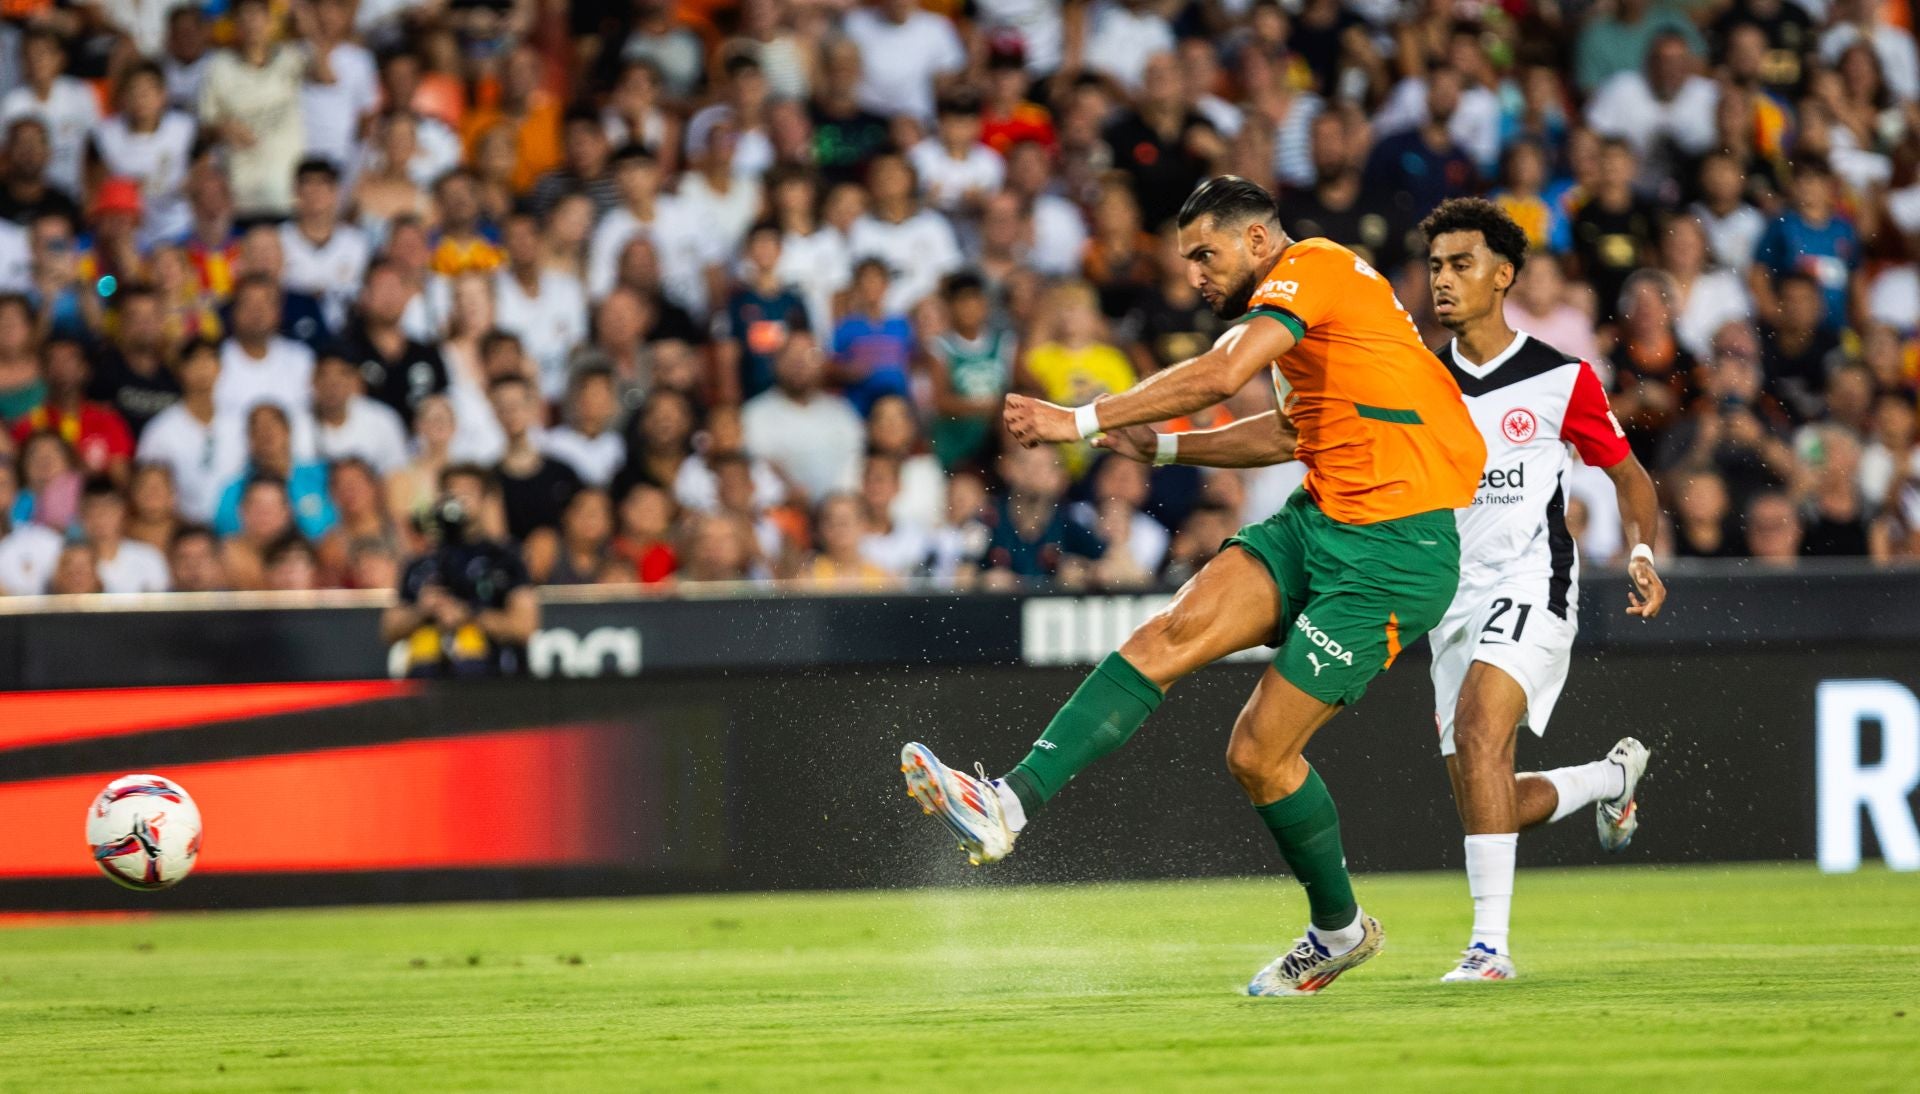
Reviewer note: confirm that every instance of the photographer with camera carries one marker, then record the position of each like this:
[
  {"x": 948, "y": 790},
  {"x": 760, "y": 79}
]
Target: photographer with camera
[{"x": 467, "y": 606}]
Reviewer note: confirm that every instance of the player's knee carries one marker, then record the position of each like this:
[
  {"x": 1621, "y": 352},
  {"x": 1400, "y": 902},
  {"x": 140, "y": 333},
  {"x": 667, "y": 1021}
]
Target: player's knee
[
  {"x": 1264, "y": 774},
  {"x": 1160, "y": 647},
  {"x": 1479, "y": 739}
]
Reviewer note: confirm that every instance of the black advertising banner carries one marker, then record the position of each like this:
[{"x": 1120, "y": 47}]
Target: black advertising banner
[{"x": 783, "y": 778}]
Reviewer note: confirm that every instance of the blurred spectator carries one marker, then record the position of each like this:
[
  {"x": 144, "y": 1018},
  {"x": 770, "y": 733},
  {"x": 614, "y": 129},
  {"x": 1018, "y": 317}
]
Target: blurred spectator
[
  {"x": 134, "y": 376},
  {"x": 193, "y": 561},
  {"x": 464, "y": 241},
  {"x": 342, "y": 86},
  {"x": 1799, "y": 348},
  {"x": 1072, "y": 365},
  {"x": 50, "y": 482},
  {"x": 64, "y": 105},
  {"x": 1891, "y": 454},
  {"x": 916, "y": 246},
  {"x": 1703, "y": 524},
  {"x": 645, "y": 530},
  {"x": 534, "y": 489},
  {"x": 971, "y": 365},
  {"x": 270, "y": 455},
  {"x": 1616, "y": 42},
  {"x": 186, "y": 55},
  {"x": 99, "y": 436},
  {"x": 1733, "y": 225},
  {"x": 1059, "y": 229},
  {"x": 465, "y": 607},
  {"x": 1836, "y": 522},
  {"x": 1030, "y": 536},
  {"x": 753, "y": 326},
  {"x": 1734, "y": 431},
  {"x": 1164, "y": 147},
  {"x": 290, "y": 566},
  {"x": 265, "y": 517},
  {"x": 347, "y": 423},
  {"x": 385, "y": 187},
  {"x": 1705, "y": 298},
  {"x": 959, "y": 542},
  {"x": 956, "y": 170},
  {"x": 812, "y": 436},
  {"x": 153, "y": 508},
  {"x": 25, "y": 192},
  {"x": 580, "y": 551},
  {"x": 1113, "y": 513},
  {"x": 324, "y": 258},
  {"x": 145, "y": 140},
  {"x": 893, "y": 433},
  {"x": 251, "y": 98},
  {"x": 904, "y": 54},
  {"x": 261, "y": 253},
  {"x": 898, "y": 546},
  {"x": 1613, "y": 233},
  {"x": 696, "y": 484},
  {"x": 528, "y": 111},
  {"x": 411, "y": 487},
  {"x": 1774, "y": 531},
  {"x": 847, "y": 134},
  {"x": 76, "y": 571},
  {"x": 353, "y": 486},
  {"x": 588, "y": 442},
  {"x": 718, "y": 548},
  {"x": 659, "y": 441},
  {"x": 1423, "y": 166},
  {"x": 872, "y": 345},
  {"x": 398, "y": 371},
  {"x": 1856, "y": 20},
  {"x": 1664, "y": 105},
  {"x": 840, "y": 562},
  {"x": 28, "y": 551},
  {"x": 544, "y": 307},
  {"x": 202, "y": 449},
  {"x": 1538, "y": 305},
  {"x": 258, "y": 364},
  {"x": 1810, "y": 238},
  {"x": 125, "y": 565}
]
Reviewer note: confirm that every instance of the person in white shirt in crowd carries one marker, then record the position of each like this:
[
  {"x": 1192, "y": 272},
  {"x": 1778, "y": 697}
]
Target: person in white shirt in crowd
[
  {"x": 1668, "y": 101},
  {"x": 1899, "y": 60},
  {"x": 1119, "y": 493},
  {"x": 251, "y": 98},
  {"x": 697, "y": 484},
  {"x": 814, "y": 437},
  {"x": 1733, "y": 226},
  {"x": 644, "y": 211},
  {"x": 545, "y": 307},
  {"x": 1059, "y": 229},
  {"x": 1199, "y": 76},
  {"x": 1121, "y": 35},
  {"x": 957, "y": 173},
  {"x": 201, "y": 448},
  {"x": 64, "y": 104},
  {"x": 917, "y": 244},
  {"x": 897, "y": 546},
  {"x": 742, "y": 97},
  {"x": 813, "y": 255},
  {"x": 921, "y": 490},
  {"x": 342, "y": 88},
  {"x": 906, "y": 55},
  {"x": 144, "y": 22},
  {"x": 1540, "y": 306},
  {"x": 150, "y": 143},
  {"x": 348, "y": 423},
  {"x": 323, "y": 257},
  {"x": 588, "y": 442},
  {"x": 1706, "y": 297},
  {"x": 189, "y": 50},
  {"x": 721, "y": 203},
  {"x": 28, "y": 551},
  {"x": 1475, "y": 122},
  {"x": 258, "y": 365},
  {"x": 125, "y": 565},
  {"x": 437, "y": 148}
]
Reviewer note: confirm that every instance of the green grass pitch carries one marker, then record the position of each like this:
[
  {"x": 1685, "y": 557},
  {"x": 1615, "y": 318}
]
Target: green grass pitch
[{"x": 1740, "y": 978}]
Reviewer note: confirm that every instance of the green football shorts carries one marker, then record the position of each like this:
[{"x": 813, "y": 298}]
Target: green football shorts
[{"x": 1352, "y": 595}]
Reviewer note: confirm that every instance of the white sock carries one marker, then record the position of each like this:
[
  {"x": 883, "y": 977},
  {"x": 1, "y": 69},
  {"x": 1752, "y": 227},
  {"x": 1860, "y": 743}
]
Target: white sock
[
  {"x": 1490, "y": 881},
  {"x": 1584, "y": 784},
  {"x": 1010, "y": 806},
  {"x": 1342, "y": 940}
]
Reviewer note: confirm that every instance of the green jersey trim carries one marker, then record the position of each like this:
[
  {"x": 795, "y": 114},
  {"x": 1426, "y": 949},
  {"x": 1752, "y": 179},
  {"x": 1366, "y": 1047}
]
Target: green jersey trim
[
  {"x": 1287, "y": 319},
  {"x": 1384, "y": 414}
]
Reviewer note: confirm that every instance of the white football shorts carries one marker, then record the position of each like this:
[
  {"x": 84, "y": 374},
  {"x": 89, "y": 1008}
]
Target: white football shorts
[{"x": 1508, "y": 626}]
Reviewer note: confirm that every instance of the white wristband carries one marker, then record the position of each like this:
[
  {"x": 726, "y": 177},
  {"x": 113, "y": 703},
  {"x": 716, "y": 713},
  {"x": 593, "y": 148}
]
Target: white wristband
[
  {"x": 1086, "y": 420},
  {"x": 1640, "y": 553},
  {"x": 1167, "y": 449}
]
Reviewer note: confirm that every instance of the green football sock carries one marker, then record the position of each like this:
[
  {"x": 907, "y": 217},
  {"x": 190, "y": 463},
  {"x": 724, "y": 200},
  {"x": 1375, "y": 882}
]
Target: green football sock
[
  {"x": 1307, "y": 827},
  {"x": 1104, "y": 711}
]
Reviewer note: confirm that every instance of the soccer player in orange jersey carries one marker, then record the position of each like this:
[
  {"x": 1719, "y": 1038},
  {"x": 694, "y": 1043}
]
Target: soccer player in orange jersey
[{"x": 1363, "y": 559}]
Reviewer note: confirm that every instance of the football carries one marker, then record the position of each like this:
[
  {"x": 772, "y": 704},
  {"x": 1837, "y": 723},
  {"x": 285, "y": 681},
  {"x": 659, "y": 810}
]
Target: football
[{"x": 144, "y": 832}]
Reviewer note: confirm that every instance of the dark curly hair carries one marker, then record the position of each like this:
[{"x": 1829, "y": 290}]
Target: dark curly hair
[{"x": 1503, "y": 236}]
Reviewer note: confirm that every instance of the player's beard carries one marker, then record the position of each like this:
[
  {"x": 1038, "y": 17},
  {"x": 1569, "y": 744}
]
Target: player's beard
[{"x": 1234, "y": 304}]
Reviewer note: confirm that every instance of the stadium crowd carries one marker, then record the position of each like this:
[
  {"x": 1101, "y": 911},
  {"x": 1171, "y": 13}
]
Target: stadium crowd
[{"x": 716, "y": 291}]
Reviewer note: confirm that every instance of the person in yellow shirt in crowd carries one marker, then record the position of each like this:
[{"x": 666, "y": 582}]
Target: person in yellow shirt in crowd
[{"x": 1074, "y": 365}]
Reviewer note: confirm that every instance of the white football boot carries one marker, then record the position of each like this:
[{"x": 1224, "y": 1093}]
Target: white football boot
[
  {"x": 1308, "y": 967},
  {"x": 1479, "y": 963},
  {"x": 1618, "y": 818},
  {"x": 968, "y": 806}
]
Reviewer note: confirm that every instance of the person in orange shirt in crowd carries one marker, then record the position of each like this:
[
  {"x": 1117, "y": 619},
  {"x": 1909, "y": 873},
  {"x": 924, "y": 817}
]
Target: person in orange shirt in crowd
[
  {"x": 532, "y": 111},
  {"x": 1010, "y": 117},
  {"x": 465, "y": 242}
]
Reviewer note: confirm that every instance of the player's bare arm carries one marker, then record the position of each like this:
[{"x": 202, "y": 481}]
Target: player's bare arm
[
  {"x": 1191, "y": 385},
  {"x": 1639, "y": 519},
  {"x": 1257, "y": 441}
]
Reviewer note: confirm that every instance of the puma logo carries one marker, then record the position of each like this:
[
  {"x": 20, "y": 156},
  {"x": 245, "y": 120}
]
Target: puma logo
[{"x": 1316, "y": 662}]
